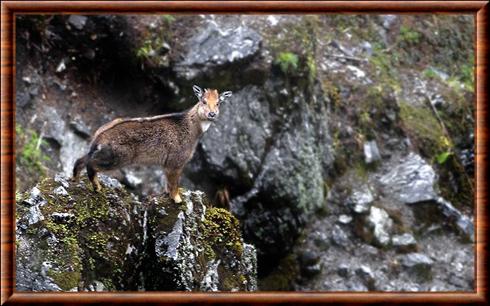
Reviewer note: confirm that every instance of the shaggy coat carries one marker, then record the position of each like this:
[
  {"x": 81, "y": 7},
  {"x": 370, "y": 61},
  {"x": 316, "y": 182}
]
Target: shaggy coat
[{"x": 167, "y": 140}]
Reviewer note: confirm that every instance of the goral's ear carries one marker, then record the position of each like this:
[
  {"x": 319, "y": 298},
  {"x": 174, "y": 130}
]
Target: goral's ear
[
  {"x": 197, "y": 91},
  {"x": 225, "y": 96}
]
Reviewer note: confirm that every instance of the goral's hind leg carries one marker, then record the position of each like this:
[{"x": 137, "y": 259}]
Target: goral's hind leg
[
  {"x": 101, "y": 158},
  {"x": 173, "y": 177},
  {"x": 79, "y": 164}
]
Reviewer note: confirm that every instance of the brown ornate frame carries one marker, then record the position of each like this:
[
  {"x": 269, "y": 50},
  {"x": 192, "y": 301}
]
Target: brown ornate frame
[{"x": 10, "y": 8}]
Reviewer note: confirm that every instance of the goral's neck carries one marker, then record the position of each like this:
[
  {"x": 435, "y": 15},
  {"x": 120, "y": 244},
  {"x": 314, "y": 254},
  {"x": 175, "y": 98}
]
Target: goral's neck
[{"x": 199, "y": 126}]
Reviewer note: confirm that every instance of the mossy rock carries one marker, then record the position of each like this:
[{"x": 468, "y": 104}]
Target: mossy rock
[{"x": 71, "y": 238}]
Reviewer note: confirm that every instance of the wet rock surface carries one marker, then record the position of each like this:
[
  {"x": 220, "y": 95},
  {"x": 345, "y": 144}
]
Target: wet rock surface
[{"x": 79, "y": 240}]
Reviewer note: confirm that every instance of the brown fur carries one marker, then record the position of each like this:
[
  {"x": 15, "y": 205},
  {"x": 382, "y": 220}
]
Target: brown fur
[{"x": 167, "y": 140}]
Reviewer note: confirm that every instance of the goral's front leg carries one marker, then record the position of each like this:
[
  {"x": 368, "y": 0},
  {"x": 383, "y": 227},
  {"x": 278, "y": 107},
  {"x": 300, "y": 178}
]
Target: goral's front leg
[{"x": 173, "y": 177}]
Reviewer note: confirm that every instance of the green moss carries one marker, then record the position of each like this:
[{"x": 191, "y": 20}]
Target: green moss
[
  {"x": 385, "y": 68},
  {"x": 98, "y": 243},
  {"x": 311, "y": 65},
  {"x": 221, "y": 231},
  {"x": 423, "y": 128},
  {"x": 332, "y": 92},
  {"x": 299, "y": 41},
  {"x": 65, "y": 280},
  {"x": 66, "y": 271},
  {"x": 85, "y": 237},
  {"x": 409, "y": 35}
]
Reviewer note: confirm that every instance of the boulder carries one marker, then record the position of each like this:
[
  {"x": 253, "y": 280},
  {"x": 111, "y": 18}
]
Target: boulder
[
  {"x": 220, "y": 51},
  {"x": 411, "y": 180}
]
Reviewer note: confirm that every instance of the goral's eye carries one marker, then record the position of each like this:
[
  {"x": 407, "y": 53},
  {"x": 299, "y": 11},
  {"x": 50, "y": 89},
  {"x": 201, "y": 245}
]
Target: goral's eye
[{"x": 204, "y": 101}]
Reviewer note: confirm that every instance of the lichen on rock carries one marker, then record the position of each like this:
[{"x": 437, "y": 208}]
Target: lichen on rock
[{"x": 71, "y": 238}]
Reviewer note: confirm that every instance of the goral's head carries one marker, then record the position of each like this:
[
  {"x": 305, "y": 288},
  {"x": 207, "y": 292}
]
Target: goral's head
[{"x": 209, "y": 102}]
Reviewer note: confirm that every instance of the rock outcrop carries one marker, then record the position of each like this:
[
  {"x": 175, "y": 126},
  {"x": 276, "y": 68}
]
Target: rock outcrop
[{"x": 70, "y": 238}]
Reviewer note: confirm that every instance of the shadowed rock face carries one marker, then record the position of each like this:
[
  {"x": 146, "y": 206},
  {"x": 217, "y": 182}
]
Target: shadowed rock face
[{"x": 72, "y": 239}]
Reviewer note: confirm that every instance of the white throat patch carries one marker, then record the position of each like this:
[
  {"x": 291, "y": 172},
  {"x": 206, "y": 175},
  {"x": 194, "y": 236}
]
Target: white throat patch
[{"x": 205, "y": 125}]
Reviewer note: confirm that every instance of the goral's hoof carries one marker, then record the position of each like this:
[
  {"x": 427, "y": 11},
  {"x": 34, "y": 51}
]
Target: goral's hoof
[
  {"x": 97, "y": 187},
  {"x": 177, "y": 199}
]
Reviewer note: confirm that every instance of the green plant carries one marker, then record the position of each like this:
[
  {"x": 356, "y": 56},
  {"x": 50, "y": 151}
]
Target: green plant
[
  {"x": 310, "y": 62},
  {"x": 409, "y": 35},
  {"x": 430, "y": 73},
  {"x": 30, "y": 154},
  {"x": 168, "y": 18},
  {"x": 442, "y": 158},
  {"x": 287, "y": 61},
  {"x": 146, "y": 50},
  {"x": 467, "y": 76}
]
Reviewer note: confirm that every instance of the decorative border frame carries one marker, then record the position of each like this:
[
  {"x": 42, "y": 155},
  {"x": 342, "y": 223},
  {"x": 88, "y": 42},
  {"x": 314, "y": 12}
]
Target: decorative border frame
[{"x": 7, "y": 217}]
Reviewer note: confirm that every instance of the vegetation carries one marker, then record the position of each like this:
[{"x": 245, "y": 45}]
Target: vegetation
[
  {"x": 288, "y": 62},
  {"x": 221, "y": 232},
  {"x": 409, "y": 35},
  {"x": 168, "y": 18},
  {"x": 30, "y": 153}
]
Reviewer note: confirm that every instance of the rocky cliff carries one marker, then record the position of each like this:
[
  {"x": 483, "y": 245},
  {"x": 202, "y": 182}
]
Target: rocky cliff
[
  {"x": 344, "y": 133},
  {"x": 72, "y": 239}
]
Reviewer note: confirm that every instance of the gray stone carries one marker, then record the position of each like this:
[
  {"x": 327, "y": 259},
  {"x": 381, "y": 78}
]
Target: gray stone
[
  {"x": 167, "y": 246},
  {"x": 345, "y": 219},
  {"x": 70, "y": 144},
  {"x": 249, "y": 266},
  {"x": 78, "y": 21},
  {"x": 417, "y": 264},
  {"x": 367, "y": 275},
  {"x": 311, "y": 271},
  {"x": 35, "y": 198},
  {"x": 411, "y": 181},
  {"x": 380, "y": 223},
  {"x": 463, "y": 223},
  {"x": 61, "y": 191},
  {"x": 109, "y": 181},
  {"x": 62, "y": 217},
  {"x": 405, "y": 242},
  {"x": 80, "y": 128},
  {"x": 388, "y": 20},
  {"x": 34, "y": 215},
  {"x": 132, "y": 181},
  {"x": 367, "y": 47},
  {"x": 371, "y": 152},
  {"x": 361, "y": 199},
  {"x": 217, "y": 45},
  {"x": 211, "y": 278},
  {"x": 339, "y": 237},
  {"x": 321, "y": 240}
]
